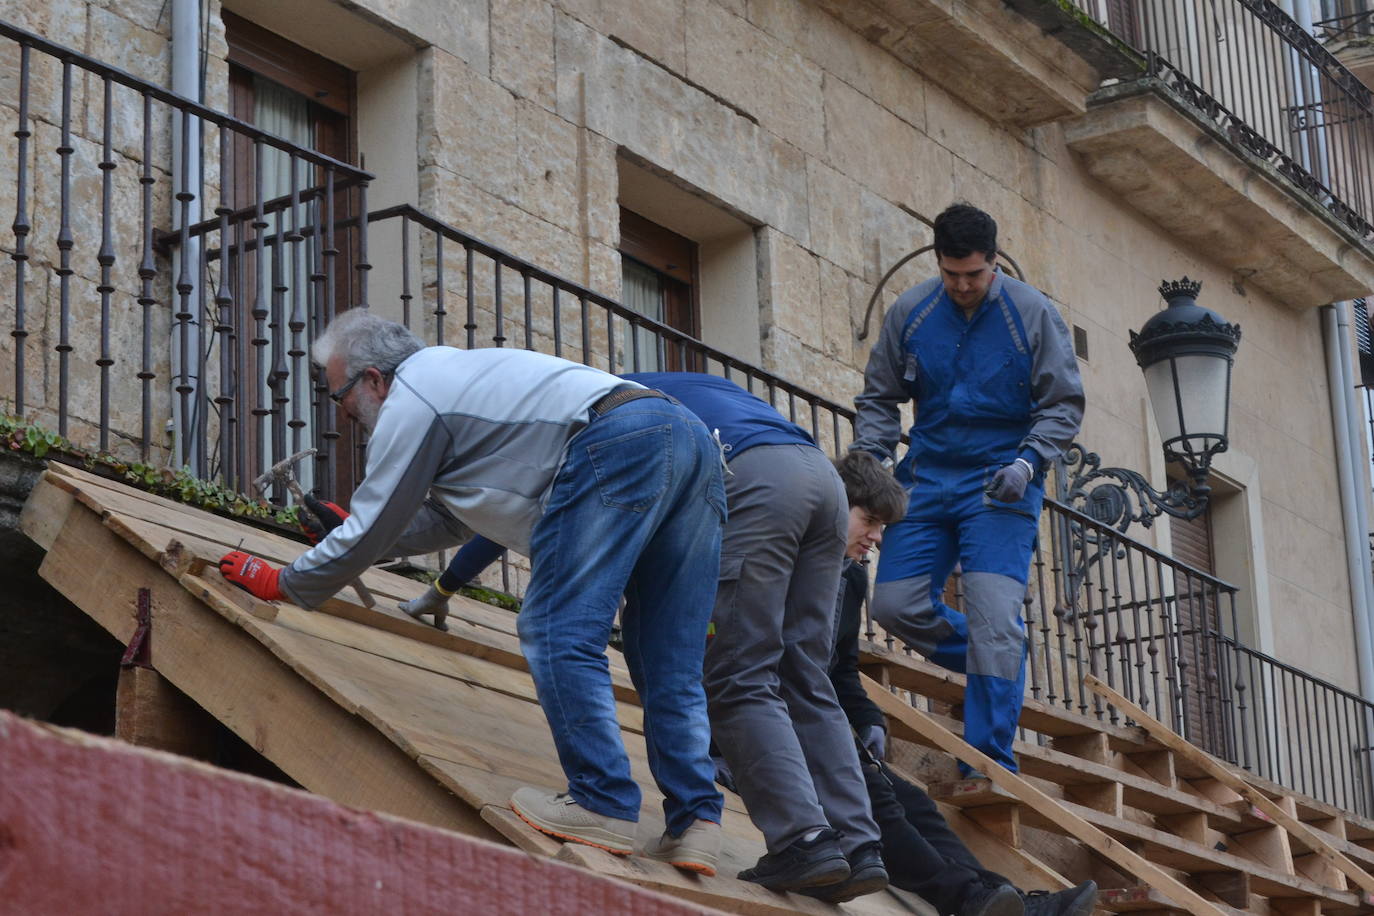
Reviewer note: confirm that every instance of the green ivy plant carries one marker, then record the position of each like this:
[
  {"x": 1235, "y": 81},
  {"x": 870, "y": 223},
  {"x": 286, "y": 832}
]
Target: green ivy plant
[{"x": 181, "y": 485}]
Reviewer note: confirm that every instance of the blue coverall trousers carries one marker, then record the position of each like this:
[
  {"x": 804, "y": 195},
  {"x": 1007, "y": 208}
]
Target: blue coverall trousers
[{"x": 950, "y": 520}]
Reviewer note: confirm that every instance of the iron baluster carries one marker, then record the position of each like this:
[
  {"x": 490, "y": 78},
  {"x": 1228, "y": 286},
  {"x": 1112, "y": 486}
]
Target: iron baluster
[
  {"x": 21, "y": 228},
  {"x": 106, "y": 260},
  {"x": 439, "y": 288},
  {"x": 64, "y": 246}
]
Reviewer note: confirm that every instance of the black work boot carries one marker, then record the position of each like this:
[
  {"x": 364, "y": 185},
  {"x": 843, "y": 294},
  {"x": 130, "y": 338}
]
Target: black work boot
[
  {"x": 1001, "y": 900},
  {"x": 867, "y": 875},
  {"x": 803, "y": 863},
  {"x": 1076, "y": 901}
]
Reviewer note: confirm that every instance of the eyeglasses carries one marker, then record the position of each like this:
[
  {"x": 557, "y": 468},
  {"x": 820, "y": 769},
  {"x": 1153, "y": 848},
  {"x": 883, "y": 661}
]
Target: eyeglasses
[{"x": 338, "y": 396}]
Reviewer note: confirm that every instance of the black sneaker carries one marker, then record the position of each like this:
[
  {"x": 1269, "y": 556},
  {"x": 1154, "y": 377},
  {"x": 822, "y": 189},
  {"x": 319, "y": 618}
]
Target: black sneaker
[
  {"x": 1002, "y": 900},
  {"x": 803, "y": 863},
  {"x": 867, "y": 875},
  {"x": 1076, "y": 901}
]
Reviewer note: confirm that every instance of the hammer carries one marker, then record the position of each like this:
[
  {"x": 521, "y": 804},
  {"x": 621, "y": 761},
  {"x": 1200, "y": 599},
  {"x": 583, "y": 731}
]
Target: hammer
[{"x": 282, "y": 471}]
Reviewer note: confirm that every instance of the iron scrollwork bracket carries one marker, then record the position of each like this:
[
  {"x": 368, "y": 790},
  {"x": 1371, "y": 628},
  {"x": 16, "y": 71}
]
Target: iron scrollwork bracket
[{"x": 1120, "y": 497}]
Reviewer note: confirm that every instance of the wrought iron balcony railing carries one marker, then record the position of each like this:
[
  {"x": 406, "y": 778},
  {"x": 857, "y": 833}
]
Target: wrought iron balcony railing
[{"x": 1268, "y": 85}]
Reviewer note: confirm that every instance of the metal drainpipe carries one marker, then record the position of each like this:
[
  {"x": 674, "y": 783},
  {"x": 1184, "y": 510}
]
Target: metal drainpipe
[
  {"x": 186, "y": 54},
  {"x": 1341, "y": 383}
]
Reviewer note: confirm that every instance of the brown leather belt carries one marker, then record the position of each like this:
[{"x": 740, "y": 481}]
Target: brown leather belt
[{"x": 620, "y": 396}]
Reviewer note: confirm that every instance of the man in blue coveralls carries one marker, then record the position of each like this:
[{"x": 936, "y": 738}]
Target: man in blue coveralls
[{"x": 991, "y": 369}]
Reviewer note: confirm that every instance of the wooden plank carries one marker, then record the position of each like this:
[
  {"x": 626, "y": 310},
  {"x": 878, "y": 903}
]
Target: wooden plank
[
  {"x": 930, "y": 680},
  {"x": 45, "y": 511},
  {"x": 213, "y": 535},
  {"x": 722, "y": 892},
  {"x": 1140, "y": 899},
  {"x": 212, "y": 589},
  {"x": 1123, "y": 858},
  {"x": 521, "y": 835},
  {"x": 1176, "y": 743},
  {"x": 154, "y": 524},
  {"x": 239, "y": 682}
]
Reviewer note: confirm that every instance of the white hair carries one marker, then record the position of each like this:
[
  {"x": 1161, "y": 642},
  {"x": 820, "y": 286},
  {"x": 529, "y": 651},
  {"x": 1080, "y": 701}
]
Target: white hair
[{"x": 364, "y": 340}]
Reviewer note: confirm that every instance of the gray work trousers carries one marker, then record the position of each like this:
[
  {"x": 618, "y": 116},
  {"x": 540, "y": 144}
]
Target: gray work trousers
[{"x": 773, "y": 710}]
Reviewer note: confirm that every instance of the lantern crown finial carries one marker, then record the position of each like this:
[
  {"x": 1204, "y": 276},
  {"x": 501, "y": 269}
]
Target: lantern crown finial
[{"x": 1175, "y": 289}]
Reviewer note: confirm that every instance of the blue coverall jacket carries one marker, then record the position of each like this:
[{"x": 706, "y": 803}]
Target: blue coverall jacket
[{"x": 987, "y": 389}]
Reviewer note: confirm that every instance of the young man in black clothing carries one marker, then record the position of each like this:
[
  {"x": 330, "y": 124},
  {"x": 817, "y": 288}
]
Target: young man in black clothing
[{"x": 922, "y": 854}]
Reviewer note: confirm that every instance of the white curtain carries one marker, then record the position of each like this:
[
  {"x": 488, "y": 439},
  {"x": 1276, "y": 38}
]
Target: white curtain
[
  {"x": 642, "y": 291},
  {"x": 286, "y": 114}
]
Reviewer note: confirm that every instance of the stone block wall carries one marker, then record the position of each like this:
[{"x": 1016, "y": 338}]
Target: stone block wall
[{"x": 838, "y": 154}]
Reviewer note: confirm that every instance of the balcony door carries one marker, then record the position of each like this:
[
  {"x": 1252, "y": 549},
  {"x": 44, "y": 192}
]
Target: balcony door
[
  {"x": 283, "y": 302},
  {"x": 1197, "y": 651}
]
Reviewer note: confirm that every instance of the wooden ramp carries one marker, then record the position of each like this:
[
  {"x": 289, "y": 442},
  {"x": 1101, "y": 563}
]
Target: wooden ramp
[
  {"x": 375, "y": 710},
  {"x": 368, "y": 708}
]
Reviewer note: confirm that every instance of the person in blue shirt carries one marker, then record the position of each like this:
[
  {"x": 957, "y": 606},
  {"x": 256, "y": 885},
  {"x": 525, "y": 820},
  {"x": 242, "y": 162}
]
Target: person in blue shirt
[
  {"x": 773, "y": 710},
  {"x": 990, "y": 368}
]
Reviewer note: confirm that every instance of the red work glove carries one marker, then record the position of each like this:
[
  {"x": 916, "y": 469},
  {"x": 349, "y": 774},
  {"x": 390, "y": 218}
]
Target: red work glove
[
  {"x": 251, "y": 574},
  {"x": 322, "y": 518}
]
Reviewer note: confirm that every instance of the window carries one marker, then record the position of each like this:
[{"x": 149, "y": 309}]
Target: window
[
  {"x": 659, "y": 269},
  {"x": 691, "y": 256}
]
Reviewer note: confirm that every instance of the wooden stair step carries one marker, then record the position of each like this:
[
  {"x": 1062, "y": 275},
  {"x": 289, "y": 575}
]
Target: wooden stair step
[
  {"x": 1172, "y": 851},
  {"x": 911, "y": 672}
]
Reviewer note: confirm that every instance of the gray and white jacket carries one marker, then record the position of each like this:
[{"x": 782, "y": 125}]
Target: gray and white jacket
[{"x": 467, "y": 441}]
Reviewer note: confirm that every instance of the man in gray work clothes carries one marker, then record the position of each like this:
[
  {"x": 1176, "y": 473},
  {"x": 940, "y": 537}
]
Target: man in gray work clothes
[{"x": 774, "y": 715}]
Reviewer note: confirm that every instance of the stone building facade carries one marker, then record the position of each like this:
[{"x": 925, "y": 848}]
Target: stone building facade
[{"x": 798, "y": 148}]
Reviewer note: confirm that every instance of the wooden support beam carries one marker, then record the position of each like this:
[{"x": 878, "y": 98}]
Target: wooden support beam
[
  {"x": 1230, "y": 887},
  {"x": 1158, "y": 765},
  {"x": 1268, "y": 846},
  {"x": 1002, "y": 821},
  {"x": 1090, "y": 836},
  {"x": 292, "y": 723},
  {"x": 1191, "y": 827},
  {"x": 1106, "y": 797},
  {"x": 1176, "y": 743},
  {"x": 150, "y": 712}
]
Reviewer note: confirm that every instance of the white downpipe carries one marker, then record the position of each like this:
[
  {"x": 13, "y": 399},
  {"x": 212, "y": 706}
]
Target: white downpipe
[
  {"x": 186, "y": 53},
  {"x": 1357, "y": 554}
]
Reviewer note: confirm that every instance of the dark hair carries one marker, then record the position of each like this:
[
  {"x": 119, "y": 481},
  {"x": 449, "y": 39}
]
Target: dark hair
[
  {"x": 871, "y": 487},
  {"x": 962, "y": 229}
]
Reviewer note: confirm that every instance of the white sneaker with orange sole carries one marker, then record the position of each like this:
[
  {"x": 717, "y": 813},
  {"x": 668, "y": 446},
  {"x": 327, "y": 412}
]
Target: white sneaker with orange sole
[
  {"x": 696, "y": 850},
  {"x": 560, "y": 816}
]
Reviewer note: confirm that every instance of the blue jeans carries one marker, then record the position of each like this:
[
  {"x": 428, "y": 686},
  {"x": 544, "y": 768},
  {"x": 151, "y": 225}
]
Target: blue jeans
[
  {"x": 950, "y": 520},
  {"x": 637, "y": 510}
]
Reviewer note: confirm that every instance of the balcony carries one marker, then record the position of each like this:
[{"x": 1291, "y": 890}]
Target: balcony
[{"x": 1245, "y": 137}]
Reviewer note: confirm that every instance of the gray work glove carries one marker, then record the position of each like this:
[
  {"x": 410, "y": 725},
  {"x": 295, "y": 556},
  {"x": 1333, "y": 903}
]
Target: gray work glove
[
  {"x": 1009, "y": 484},
  {"x": 431, "y": 602},
  {"x": 874, "y": 740},
  {"x": 724, "y": 776}
]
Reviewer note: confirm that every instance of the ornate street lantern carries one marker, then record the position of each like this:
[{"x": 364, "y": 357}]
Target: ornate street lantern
[{"x": 1186, "y": 352}]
